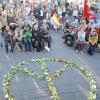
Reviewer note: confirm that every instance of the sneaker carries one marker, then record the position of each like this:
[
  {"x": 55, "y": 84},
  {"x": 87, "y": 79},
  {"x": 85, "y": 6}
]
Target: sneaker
[
  {"x": 19, "y": 49},
  {"x": 76, "y": 51},
  {"x": 47, "y": 48},
  {"x": 81, "y": 52}
]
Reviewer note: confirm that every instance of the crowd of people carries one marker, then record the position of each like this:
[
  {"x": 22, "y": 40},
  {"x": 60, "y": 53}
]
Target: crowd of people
[
  {"x": 81, "y": 31},
  {"x": 26, "y": 25}
]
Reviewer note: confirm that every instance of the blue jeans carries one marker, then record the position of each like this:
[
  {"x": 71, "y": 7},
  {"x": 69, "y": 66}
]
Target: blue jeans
[
  {"x": 6, "y": 46},
  {"x": 91, "y": 49},
  {"x": 27, "y": 43}
]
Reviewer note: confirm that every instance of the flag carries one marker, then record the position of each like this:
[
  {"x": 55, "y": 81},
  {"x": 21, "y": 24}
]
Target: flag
[
  {"x": 56, "y": 20},
  {"x": 53, "y": 23},
  {"x": 86, "y": 10}
]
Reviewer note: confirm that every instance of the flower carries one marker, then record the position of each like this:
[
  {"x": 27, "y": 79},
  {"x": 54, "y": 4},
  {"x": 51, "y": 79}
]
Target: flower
[
  {"x": 51, "y": 87},
  {"x": 6, "y": 96},
  {"x": 49, "y": 78}
]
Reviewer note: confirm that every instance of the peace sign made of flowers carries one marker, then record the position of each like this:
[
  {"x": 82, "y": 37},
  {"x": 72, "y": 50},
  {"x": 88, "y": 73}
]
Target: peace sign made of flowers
[{"x": 47, "y": 76}]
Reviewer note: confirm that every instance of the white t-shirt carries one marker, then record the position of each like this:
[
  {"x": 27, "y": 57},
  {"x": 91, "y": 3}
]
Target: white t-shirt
[
  {"x": 49, "y": 1},
  {"x": 28, "y": 9},
  {"x": 81, "y": 36},
  {"x": 64, "y": 9},
  {"x": 75, "y": 13},
  {"x": 59, "y": 11},
  {"x": 41, "y": 12}
]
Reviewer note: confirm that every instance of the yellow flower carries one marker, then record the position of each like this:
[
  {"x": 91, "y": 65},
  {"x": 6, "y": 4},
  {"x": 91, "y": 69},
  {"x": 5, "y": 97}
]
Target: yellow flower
[
  {"x": 49, "y": 78},
  {"x": 11, "y": 98}
]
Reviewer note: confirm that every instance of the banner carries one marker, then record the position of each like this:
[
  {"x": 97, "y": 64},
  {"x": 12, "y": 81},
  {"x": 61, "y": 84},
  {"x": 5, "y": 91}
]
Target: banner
[
  {"x": 56, "y": 20},
  {"x": 86, "y": 10}
]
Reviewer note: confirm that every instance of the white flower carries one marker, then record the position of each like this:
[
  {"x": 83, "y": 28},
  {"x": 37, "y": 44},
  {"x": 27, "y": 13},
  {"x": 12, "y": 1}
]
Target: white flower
[
  {"x": 32, "y": 60},
  {"x": 23, "y": 62},
  {"x": 6, "y": 96},
  {"x": 12, "y": 67},
  {"x": 94, "y": 86},
  {"x": 45, "y": 73},
  {"x": 5, "y": 76},
  {"x": 94, "y": 97},
  {"x": 51, "y": 97},
  {"x": 82, "y": 68},
  {"x": 89, "y": 74}
]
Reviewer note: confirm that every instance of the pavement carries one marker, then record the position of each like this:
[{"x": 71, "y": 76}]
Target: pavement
[{"x": 71, "y": 85}]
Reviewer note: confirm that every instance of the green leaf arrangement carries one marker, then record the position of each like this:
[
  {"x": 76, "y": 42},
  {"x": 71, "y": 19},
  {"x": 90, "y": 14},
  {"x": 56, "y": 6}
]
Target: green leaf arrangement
[{"x": 47, "y": 76}]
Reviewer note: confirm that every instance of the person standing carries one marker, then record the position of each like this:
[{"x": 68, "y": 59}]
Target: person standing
[
  {"x": 4, "y": 21},
  {"x": 1, "y": 45},
  {"x": 63, "y": 11},
  {"x": 11, "y": 33},
  {"x": 75, "y": 10},
  {"x": 7, "y": 39},
  {"x": 59, "y": 11}
]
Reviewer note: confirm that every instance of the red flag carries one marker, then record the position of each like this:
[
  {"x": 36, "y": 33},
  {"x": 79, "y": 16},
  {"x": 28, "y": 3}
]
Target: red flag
[{"x": 86, "y": 10}]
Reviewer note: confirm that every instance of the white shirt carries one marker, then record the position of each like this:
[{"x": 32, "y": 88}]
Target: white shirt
[
  {"x": 59, "y": 11},
  {"x": 64, "y": 9},
  {"x": 28, "y": 9},
  {"x": 81, "y": 36},
  {"x": 49, "y": 1},
  {"x": 75, "y": 12},
  {"x": 41, "y": 13}
]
